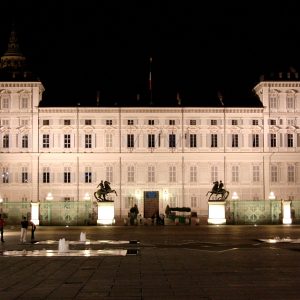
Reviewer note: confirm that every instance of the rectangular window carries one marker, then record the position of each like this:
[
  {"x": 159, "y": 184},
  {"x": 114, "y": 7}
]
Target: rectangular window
[
  {"x": 291, "y": 122},
  {"x": 194, "y": 202},
  {"x": 273, "y": 140},
  {"x": 173, "y": 201},
  {"x": 172, "y": 174},
  {"x": 87, "y": 122},
  {"x": 108, "y": 122},
  {"x": 213, "y": 122},
  {"x": 24, "y": 175},
  {"x": 5, "y": 175},
  {"x": 214, "y": 140},
  {"x": 150, "y": 122},
  {"x": 129, "y": 122},
  {"x": 88, "y": 175},
  {"x": 290, "y": 140},
  {"x": 193, "y": 140},
  {"x": 24, "y": 123},
  {"x": 5, "y": 103},
  {"x": 108, "y": 140},
  {"x": 290, "y": 102},
  {"x": 272, "y": 122},
  {"x": 214, "y": 173},
  {"x": 67, "y": 141},
  {"x": 254, "y": 122},
  {"x": 273, "y": 102},
  {"x": 130, "y": 174},
  {"x": 46, "y": 122},
  {"x": 235, "y": 141},
  {"x": 274, "y": 174},
  {"x": 151, "y": 174},
  {"x": 193, "y": 174},
  {"x": 130, "y": 140},
  {"x": 255, "y": 173},
  {"x": 67, "y": 122},
  {"x": 171, "y": 122},
  {"x": 172, "y": 140},
  {"x": 46, "y": 175},
  {"x": 151, "y": 141},
  {"x": 46, "y": 142},
  {"x": 291, "y": 173},
  {"x": 24, "y": 103},
  {"x": 234, "y": 122},
  {"x": 255, "y": 140},
  {"x": 6, "y": 141},
  {"x": 235, "y": 174},
  {"x": 25, "y": 141},
  {"x": 193, "y": 122},
  {"x": 88, "y": 141},
  {"x": 67, "y": 175},
  {"x": 109, "y": 174}
]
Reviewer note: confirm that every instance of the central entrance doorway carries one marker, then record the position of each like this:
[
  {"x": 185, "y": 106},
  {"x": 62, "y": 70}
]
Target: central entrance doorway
[{"x": 151, "y": 203}]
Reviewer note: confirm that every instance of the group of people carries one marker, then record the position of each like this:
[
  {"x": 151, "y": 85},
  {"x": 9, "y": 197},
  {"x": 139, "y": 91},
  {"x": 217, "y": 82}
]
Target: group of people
[
  {"x": 218, "y": 186},
  {"x": 24, "y": 226}
]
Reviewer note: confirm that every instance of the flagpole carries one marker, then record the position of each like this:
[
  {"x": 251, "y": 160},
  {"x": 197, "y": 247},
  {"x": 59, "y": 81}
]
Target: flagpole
[{"x": 150, "y": 80}]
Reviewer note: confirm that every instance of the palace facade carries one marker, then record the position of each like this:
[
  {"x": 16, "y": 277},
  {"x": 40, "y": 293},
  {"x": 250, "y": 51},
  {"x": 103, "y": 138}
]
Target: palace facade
[{"x": 152, "y": 156}]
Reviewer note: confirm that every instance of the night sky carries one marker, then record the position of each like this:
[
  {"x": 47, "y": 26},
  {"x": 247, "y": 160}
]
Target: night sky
[{"x": 198, "y": 49}]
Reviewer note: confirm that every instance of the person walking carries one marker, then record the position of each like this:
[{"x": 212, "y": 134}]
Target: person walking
[
  {"x": 1, "y": 227},
  {"x": 33, "y": 228},
  {"x": 24, "y": 226}
]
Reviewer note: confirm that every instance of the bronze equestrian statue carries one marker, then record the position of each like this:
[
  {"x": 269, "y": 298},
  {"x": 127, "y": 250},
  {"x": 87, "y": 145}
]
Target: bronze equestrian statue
[{"x": 103, "y": 191}]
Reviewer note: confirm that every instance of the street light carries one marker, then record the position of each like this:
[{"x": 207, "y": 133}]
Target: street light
[{"x": 272, "y": 196}]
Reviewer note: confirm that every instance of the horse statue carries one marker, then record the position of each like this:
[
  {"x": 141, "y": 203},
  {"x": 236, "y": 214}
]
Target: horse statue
[
  {"x": 218, "y": 192},
  {"x": 105, "y": 189}
]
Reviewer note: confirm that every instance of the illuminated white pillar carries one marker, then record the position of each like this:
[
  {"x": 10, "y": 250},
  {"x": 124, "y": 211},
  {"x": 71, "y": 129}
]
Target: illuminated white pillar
[
  {"x": 216, "y": 212},
  {"x": 106, "y": 213},
  {"x": 286, "y": 212},
  {"x": 35, "y": 213}
]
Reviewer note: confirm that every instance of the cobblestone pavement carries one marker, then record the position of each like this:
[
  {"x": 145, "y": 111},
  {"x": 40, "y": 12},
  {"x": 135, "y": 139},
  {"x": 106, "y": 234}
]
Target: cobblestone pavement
[{"x": 160, "y": 262}]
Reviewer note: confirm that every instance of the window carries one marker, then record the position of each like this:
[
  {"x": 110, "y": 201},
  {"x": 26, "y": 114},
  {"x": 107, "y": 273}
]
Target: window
[
  {"x": 254, "y": 122},
  {"x": 130, "y": 174},
  {"x": 88, "y": 175},
  {"x": 213, "y": 122},
  {"x": 193, "y": 122},
  {"x": 172, "y": 140},
  {"x": 255, "y": 172},
  {"x": 24, "y": 202},
  {"x": 290, "y": 102},
  {"x": 67, "y": 141},
  {"x": 172, "y": 174},
  {"x": 173, "y": 201},
  {"x": 171, "y": 122},
  {"x": 273, "y": 140},
  {"x": 67, "y": 122},
  {"x": 46, "y": 175},
  {"x": 130, "y": 140},
  {"x": 291, "y": 173},
  {"x": 290, "y": 140},
  {"x": 109, "y": 173},
  {"x": 151, "y": 174},
  {"x": 129, "y": 122},
  {"x": 46, "y": 122},
  {"x": 88, "y": 141},
  {"x": 5, "y": 103},
  {"x": 193, "y": 140},
  {"x": 273, "y": 101},
  {"x": 235, "y": 174},
  {"x": 24, "y": 122},
  {"x": 272, "y": 122},
  {"x": 25, "y": 141},
  {"x": 193, "y": 174},
  {"x": 235, "y": 141},
  {"x": 5, "y": 175},
  {"x": 214, "y": 173},
  {"x": 6, "y": 141},
  {"x": 151, "y": 141},
  {"x": 24, "y": 175},
  {"x": 108, "y": 122},
  {"x": 67, "y": 175},
  {"x": 5, "y": 122},
  {"x": 194, "y": 202},
  {"x": 214, "y": 140},
  {"x": 150, "y": 122},
  {"x": 274, "y": 173},
  {"x": 46, "y": 141},
  {"x": 255, "y": 140},
  {"x": 234, "y": 122},
  {"x": 291, "y": 122},
  {"x": 87, "y": 122},
  {"x": 108, "y": 140},
  {"x": 24, "y": 102}
]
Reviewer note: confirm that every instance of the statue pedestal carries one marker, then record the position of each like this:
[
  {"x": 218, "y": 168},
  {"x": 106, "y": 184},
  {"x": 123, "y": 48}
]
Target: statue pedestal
[
  {"x": 106, "y": 213},
  {"x": 286, "y": 212},
  {"x": 35, "y": 213},
  {"x": 216, "y": 212}
]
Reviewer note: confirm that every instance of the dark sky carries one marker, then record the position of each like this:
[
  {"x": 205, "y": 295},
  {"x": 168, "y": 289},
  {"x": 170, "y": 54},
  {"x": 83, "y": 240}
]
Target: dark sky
[{"x": 198, "y": 48}]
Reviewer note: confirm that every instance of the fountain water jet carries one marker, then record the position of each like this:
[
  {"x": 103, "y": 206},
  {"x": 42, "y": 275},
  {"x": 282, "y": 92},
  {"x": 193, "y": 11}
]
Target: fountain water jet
[
  {"x": 82, "y": 237},
  {"x": 63, "y": 246}
]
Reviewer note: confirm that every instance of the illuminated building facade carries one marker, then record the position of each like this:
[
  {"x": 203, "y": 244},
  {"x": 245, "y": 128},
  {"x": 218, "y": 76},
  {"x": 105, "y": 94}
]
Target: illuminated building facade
[{"x": 152, "y": 156}]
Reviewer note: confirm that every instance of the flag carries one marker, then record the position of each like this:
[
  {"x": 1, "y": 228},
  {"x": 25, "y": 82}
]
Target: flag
[{"x": 220, "y": 96}]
